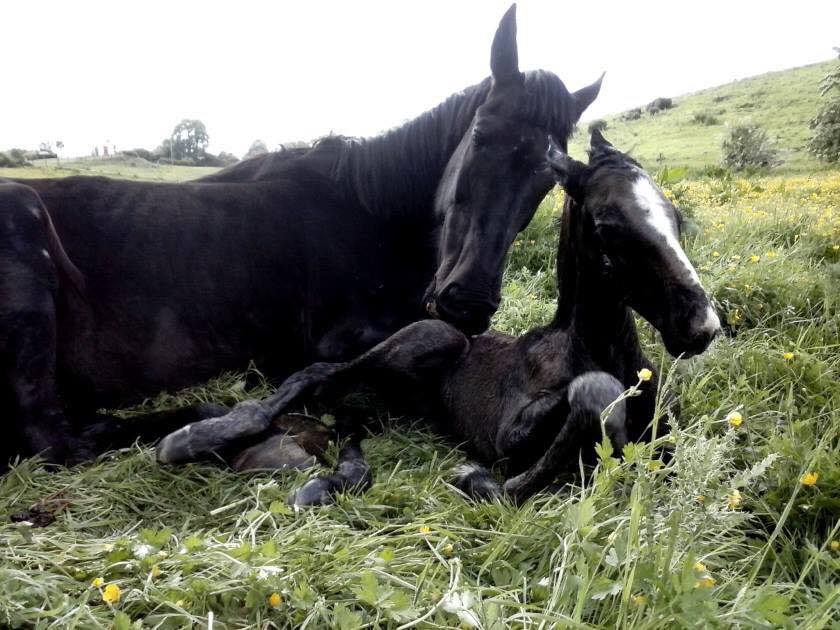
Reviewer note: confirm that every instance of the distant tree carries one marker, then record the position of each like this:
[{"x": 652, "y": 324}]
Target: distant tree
[
  {"x": 258, "y": 147},
  {"x": 59, "y": 145},
  {"x": 825, "y": 143},
  {"x": 189, "y": 140}
]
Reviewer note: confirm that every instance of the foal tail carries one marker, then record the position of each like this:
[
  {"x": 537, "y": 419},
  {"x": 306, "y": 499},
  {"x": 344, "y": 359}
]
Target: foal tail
[{"x": 56, "y": 250}]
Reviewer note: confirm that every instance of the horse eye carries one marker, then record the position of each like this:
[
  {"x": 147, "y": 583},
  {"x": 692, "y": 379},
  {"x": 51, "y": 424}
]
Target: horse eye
[{"x": 478, "y": 139}]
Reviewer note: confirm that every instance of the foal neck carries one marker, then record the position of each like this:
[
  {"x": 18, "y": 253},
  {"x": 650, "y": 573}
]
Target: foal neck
[{"x": 591, "y": 306}]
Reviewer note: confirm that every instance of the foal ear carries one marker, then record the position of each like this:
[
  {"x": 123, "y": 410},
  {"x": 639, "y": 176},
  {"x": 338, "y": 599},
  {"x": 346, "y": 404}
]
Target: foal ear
[
  {"x": 598, "y": 144},
  {"x": 565, "y": 169},
  {"x": 504, "y": 56},
  {"x": 585, "y": 96}
]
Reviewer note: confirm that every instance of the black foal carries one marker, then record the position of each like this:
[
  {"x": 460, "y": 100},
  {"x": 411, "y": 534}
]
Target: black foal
[{"x": 534, "y": 402}]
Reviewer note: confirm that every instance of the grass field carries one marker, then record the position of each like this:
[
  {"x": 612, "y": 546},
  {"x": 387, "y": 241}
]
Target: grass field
[
  {"x": 121, "y": 167},
  {"x": 781, "y": 102},
  {"x": 740, "y": 529}
]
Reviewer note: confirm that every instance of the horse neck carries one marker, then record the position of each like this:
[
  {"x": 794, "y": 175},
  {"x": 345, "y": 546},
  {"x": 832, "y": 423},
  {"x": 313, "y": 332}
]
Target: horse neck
[
  {"x": 397, "y": 173},
  {"x": 590, "y": 308}
]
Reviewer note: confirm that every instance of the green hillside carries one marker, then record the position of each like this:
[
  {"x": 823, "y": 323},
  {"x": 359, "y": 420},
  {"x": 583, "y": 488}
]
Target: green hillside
[{"x": 781, "y": 102}]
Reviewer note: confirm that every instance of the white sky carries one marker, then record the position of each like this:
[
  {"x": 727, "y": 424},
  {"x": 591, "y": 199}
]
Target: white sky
[{"x": 280, "y": 70}]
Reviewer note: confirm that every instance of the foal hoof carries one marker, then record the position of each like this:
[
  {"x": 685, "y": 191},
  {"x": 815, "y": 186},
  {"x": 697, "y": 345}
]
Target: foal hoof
[
  {"x": 476, "y": 482},
  {"x": 317, "y": 491},
  {"x": 206, "y": 437}
]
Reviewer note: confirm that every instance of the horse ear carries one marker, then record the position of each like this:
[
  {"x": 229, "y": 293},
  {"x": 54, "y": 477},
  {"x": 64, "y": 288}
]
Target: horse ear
[
  {"x": 504, "y": 56},
  {"x": 566, "y": 170},
  {"x": 585, "y": 96}
]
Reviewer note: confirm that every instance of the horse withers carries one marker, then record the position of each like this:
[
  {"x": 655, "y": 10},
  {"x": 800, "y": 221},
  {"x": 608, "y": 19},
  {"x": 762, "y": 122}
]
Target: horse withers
[
  {"x": 316, "y": 257},
  {"x": 534, "y": 402}
]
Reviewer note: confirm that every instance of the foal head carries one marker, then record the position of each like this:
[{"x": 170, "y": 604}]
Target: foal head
[
  {"x": 495, "y": 179},
  {"x": 628, "y": 231}
]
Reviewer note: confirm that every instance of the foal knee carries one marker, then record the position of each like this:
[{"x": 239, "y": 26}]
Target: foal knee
[{"x": 590, "y": 394}]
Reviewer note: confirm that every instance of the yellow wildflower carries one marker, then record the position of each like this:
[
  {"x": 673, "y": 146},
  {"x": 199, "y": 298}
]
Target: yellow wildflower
[
  {"x": 835, "y": 247},
  {"x": 755, "y": 258},
  {"x": 644, "y": 374},
  {"x": 654, "y": 465},
  {"x": 448, "y": 550},
  {"x": 180, "y": 603},
  {"x": 771, "y": 254},
  {"x": 275, "y": 599},
  {"x": 715, "y": 254},
  {"x": 700, "y": 567},
  {"x": 640, "y": 600},
  {"x": 734, "y": 500},
  {"x": 834, "y": 545},
  {"x": 97, "y": 582},
  {"x": 705, "y": 582},
  {"x": 425, "y": 529},
  {"x": 111, "y": 594},
  {"x": 809, "y": 478},
  {"x": 155, "y": 572},
  {"x": 735, "y": 419},
  {"x": 788, "y": 356},
  {"x": 700, "y": 498}
]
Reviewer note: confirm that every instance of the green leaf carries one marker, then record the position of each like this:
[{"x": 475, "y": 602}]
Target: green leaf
[
  {"x": 122, "y": 621},
  {"x": 346, "y": 619}
]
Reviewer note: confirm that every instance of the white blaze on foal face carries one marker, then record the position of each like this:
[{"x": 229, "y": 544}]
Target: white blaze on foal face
[{"x": 658, "y": 217}]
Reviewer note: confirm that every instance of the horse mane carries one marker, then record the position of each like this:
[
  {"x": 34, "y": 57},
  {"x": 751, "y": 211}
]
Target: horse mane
[{"x": 399, "y": 170}]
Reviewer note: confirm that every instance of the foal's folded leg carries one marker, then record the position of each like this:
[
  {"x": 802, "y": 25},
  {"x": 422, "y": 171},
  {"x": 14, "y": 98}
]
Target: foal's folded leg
[
  {"x": 411, "y": 361},
  {"x": 588, "y": 396}
]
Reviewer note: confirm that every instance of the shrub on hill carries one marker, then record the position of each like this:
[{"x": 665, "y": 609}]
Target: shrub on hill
[
  {"x": 748, "y": 146},
  {"x": 597, "y": 125},
  {"x": 632, "y": 114},
  {"x": 705, "y": 118},
  {"x": 825, "y": 143},
  {"x": 659, "y": 104}
]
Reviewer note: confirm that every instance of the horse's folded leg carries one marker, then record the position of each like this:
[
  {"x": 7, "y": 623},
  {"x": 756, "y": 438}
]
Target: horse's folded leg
[
  {"x": 204, "y": 439},
  {"x": 589, "y": 395},
  {"x": 476, "y": 482},
  {"x": 352, "y": 474}
]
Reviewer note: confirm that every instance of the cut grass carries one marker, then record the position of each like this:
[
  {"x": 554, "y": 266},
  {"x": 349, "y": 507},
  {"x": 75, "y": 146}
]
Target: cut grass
[{"x": 183, "y": 544}]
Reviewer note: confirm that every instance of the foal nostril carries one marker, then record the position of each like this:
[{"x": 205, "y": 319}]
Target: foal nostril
[{"x": 711, "y": 323}]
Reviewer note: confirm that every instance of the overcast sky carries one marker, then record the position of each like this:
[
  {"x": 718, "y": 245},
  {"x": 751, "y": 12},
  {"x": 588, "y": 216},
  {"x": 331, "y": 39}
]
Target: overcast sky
[{"x": 86, "y": 72}]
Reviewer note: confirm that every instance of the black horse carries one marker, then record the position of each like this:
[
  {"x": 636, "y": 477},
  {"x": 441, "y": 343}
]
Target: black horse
[
  {"x": 533, "y": 403},
  {"x": 314, "y": 255}
]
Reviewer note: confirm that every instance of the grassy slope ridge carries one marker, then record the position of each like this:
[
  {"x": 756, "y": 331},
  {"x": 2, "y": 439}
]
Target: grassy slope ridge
[
  {"x": 781, "y": 102},
  {"x": 726, "y": 534}
]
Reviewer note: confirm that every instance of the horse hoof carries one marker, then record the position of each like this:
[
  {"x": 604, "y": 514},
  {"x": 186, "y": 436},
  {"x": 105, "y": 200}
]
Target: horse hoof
[
  {"x": 476, "y": 482},
  {"x": 318, "y": 491}
]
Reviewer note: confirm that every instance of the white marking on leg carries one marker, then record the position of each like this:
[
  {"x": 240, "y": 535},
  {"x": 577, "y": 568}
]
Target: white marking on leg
[{"x": 651, "y": 199}]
